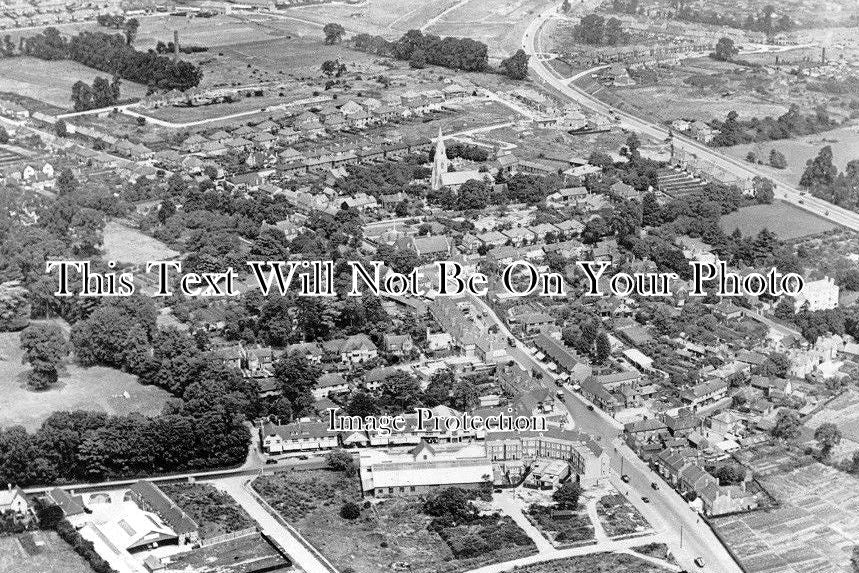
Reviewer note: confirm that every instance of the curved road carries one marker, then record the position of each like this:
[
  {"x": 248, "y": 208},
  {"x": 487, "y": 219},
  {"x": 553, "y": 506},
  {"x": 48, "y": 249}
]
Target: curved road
[{"x": 785, "y": 191}]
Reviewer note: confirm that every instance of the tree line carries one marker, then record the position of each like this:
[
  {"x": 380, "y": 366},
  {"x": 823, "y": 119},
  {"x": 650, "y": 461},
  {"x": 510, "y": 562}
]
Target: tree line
[
  {"x": 421, "y": 49},
  {"x": 792, "y": 123},
  {"x": 112, "y": 53},
  {"x": 102, "y": 93}
]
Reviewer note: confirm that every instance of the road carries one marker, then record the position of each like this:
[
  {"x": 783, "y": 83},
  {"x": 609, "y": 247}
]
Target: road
[
  {"x": 698, "y": 151},
  {"x": 289, "y": 539},
  {"x": 687, "y": 535}
]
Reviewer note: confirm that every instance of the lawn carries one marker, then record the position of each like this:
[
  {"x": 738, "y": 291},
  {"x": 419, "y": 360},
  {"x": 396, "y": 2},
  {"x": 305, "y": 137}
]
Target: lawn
[
  {"x": 51, "y": 81},
  {"x": 39, "y": 552},
  {"x": 126, "y": 245},
  {"x": 785, "y": 220},
  {"x": 388, "y": 535},
  {"x": 98, "y": 388},
  {"x": 657, "y": 550},
  {"x": 619, "y": 517},
  {"x": 564, "y": 530},
  {"x": 214, "y": 511},
  {"x": 595, "y": 563}
]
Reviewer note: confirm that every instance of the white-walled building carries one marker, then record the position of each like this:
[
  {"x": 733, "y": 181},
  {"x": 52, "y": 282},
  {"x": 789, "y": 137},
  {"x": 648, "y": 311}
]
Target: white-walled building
[{"x": 424, "y": 468}]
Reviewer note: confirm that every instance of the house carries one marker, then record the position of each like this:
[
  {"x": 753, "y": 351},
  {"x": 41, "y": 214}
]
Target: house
[
  {"x": 72, "y": 505},
  {"x": 297, "y": 436},
  {"x": 13, "y": 499},
  {"x": 424, "y": 468},
  {"x": 310, "y": 351},
  {"x": 431, "y": 246},
  {"x": 720, "y": 500},
  {"x": 547, "y": 474},
  {"x": 534, "y": 322},
  {"x": 398, "y": 344},
  {"x": 149, "y": 497},
  {"x": 357, "y": 348},
  {"x": 705, "y": 392},
  {"x": 623, "y": 191},
  {"x": 596, "y": 393},
  {"x": 772, "y": 386},
  {"x": 329, "y": 383},
  {"x": 565, "y": 359}
]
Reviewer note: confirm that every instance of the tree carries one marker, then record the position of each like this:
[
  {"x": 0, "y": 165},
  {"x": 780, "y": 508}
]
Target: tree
[
  {"x": 613, "y": 34},
  {"x": 567, "y": 496},
  {"x": 777, "y": 159},
  {"x": 61, "y": 129},
  {"x": 751, "y": 157},
  {"x": 350, "y": 510},
  {"x": 820, "y": 171},
  {"x": 786, "y": 424},
  {"x": 418, "y": 60},
  {"x": 44, "y": 348},
  {"x": 81, "y": 96},
  {"x": 828, "y": 436},
  {"x": 603, "y": 348},
  {"x": 516, "y": 66},
  {"x": 333, "y": 33},
  {"x": 14, "y": 307},
  {"x": 66, "y": 182},
  {"x": 730, "y": 474},
  {"x": 341, "y": 461},
  {"x": 4, "y": 135},
  {"x": 590, "y": 30},
  {"x": 725, "y": 50},
  {"x": 764, "y": 190},
  {"x": 130, "y": 28},
  {"x": 451, "y": 505}
]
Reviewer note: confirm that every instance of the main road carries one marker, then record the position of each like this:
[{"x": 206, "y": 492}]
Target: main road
[
  {"x": 743, "y": 170},
  {"x": 686, "y": 533}
]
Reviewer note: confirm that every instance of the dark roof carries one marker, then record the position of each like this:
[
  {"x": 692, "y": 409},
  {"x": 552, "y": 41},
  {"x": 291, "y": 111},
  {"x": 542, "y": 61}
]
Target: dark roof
[
  {"x": 70, "y": 504},
  {"x": 158, "y": 502}
]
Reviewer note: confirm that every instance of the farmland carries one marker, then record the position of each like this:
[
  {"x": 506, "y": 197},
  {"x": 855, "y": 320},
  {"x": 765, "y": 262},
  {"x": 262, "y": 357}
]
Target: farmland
[
  {"x": 97, "y": 388},
  {"x": 785, "y": 220},
  {"x": 51, "y": 81}
]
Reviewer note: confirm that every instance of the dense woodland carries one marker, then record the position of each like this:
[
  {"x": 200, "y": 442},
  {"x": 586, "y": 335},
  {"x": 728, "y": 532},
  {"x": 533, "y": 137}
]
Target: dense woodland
[{"x": 421, "y": 49}]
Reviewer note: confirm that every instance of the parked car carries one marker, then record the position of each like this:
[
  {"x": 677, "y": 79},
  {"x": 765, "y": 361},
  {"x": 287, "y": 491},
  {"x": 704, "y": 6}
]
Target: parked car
[
  {"x": 270, "y": 462},
  {"x": 624, "y": 478},
  {"x": 645, "y": 499},
  {"x": 591, "y": 407},
  {"x": 654, "y": 485},
  {"x": 699, "y": 561}
]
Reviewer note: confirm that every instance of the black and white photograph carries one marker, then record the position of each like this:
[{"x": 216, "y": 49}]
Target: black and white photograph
[{"x": 439, "y": 286}]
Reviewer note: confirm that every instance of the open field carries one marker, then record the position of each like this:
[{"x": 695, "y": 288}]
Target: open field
[
  {"x": 97, "y": 389},
  {"x": 844, "y": 413},
  {"x": 51, "y": 81},
  {"x": 126, "y": 245},
  {"x": 387, "y": 532},
  {"x": 595, "y": 563},
  {"x": 844, "y": 142},
  {"x": 814, "y": 529},
  {"x": 562, "y": 528},
  {"x": 46, "y": 553},
  {"x": 785, "y": 220}
]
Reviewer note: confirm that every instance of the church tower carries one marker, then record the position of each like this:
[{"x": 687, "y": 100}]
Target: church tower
[{"x": 440, "y": 162}]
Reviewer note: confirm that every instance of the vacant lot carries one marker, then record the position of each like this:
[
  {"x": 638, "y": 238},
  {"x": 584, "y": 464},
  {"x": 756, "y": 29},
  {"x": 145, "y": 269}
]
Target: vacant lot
[
  {"x": 565, "y": 529},
  {"x": 390, "y": 532},
  {"x": 214, "y": 511},
  {"x": 126, "y": 245},
  {"x": 814, "y": 529},
  {"x": 98, "y": 388},
  {"x": 595, "y": 563},
  {"x": 844, "y": 413},
  {"x": 619, "y": 517},
  {"x": 39, "y": 552},
  {"x": 243, "y": 555},
  {"x": 51, "y": 81},
  {"x": 785, "y": 220}
]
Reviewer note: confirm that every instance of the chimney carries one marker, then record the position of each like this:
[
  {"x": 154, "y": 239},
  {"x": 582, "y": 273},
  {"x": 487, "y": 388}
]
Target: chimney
[{"x": 175, "y": 45}]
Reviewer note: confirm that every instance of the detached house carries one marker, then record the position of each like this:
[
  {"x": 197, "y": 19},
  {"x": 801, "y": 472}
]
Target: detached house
[{"x": 297, "y": 436}]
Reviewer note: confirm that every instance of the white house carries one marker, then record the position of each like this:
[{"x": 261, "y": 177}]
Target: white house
[{"x": 297, "y": 436}]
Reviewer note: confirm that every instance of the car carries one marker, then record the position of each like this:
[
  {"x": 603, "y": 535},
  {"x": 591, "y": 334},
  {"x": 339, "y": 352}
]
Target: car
[
  {"x": 699, "y": 561},
  {"x": 559, "y": 393},
  {"x": 269, "y": 462},
  {"x": 511, "y": 341},
  {"x": 591, "y": 407},
  {"x": 303, "y": 457},
  {"x": 624, "y": 478},
  {"x": 645, "y": 499},
  {"x": 496, "y": 491},
  {"x": 654, "y": 486}
]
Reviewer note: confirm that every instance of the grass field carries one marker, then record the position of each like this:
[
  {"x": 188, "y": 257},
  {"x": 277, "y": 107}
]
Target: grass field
[
  {"x": 51, "y": 81},
  {"x": 595, "y": 563},
  {"x": 126, "y": 245},
  {"x": 785, "y": 220},
  {"x": 844, "y": 142},
  {"x": 47, "y": 553},
  {"x": 619, "y": 517},
  {"x": 97, "y": 389}
]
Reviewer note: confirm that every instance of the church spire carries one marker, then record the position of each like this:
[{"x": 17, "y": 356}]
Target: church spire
[{"x": 440, "y": 162}]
